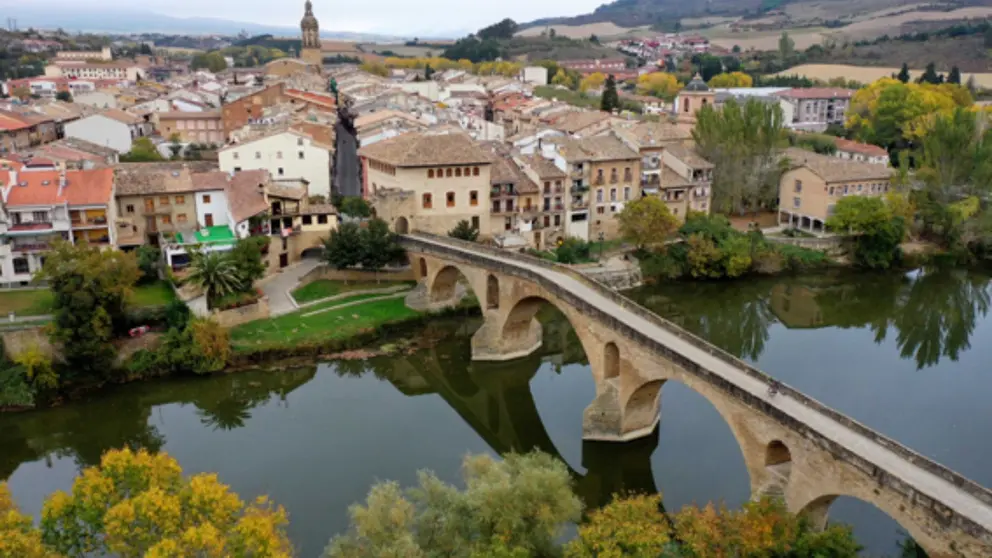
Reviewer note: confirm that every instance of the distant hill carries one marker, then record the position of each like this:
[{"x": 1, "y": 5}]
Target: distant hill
[{"x": 127, "y": 21}]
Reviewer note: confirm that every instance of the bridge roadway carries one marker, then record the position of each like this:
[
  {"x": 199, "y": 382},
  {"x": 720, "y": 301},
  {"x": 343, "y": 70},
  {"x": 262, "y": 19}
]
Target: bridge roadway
[{"x": 961, "y": 500}]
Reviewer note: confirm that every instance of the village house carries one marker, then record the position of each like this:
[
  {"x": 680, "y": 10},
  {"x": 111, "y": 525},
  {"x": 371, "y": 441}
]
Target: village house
[
  {"x": 816, "y": 108},
  {"x": 810, "y": 190},
  {"x": 864, "y": 152},
  {"x": 111, "y": 128},
  {"x": 428, "y": 182},
  {"x": 285, "y": 154},
  {"x": 516, "y": 205},
  {"x": 191, "y": 127},
  {"x": 548, "y": 225},
  {"x": 685, "y": 181},
  {"x": 22, "y": 130}
]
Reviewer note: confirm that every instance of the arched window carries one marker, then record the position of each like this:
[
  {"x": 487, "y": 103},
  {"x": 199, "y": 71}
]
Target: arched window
[
  {"x": 450, "y": 199},
  {"x": 430, "y": 173},
  {"x": 440, "y": 173},
  {"x": 428, "y": 201},
  {"x": 466, "y": 171},
  {"x": 685, "y": 105},
  {"x": 475, "y": 171},
  {"x": 447, "y": 172},
  {"x": 458, "y": 172}
]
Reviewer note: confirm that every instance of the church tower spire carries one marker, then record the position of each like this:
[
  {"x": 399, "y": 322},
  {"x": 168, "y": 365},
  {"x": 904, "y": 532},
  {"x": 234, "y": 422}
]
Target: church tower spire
[{"x": 310, "y": 35}]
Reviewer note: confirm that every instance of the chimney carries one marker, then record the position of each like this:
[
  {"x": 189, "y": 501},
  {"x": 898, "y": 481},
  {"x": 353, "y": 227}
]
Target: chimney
[
  {"x": 13, "y": 178},
  {"x": 62, "y": 181}
]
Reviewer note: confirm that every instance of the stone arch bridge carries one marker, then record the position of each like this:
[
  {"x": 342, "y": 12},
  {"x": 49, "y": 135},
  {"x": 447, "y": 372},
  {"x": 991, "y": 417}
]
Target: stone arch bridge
[{"x": 793, "y": 446}]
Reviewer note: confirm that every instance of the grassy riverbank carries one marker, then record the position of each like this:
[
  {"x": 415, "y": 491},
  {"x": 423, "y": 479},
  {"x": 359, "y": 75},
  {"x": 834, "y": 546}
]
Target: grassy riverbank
[{"x": 325, "y": 288}]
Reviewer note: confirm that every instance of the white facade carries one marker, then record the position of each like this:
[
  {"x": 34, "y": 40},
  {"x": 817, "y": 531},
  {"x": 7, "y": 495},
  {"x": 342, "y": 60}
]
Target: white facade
[
  {"x": 286, "y": 155},
  {"x": 430, "y": 90},
  {"x": 536, "y": 75},
  {"x": 23, "y": 253},
  {"x": 863, "y": 157},
  {"x": 212, "y": 209},
  {"x": 101, "y": 130},
  {"x": 98, "y": 99}
]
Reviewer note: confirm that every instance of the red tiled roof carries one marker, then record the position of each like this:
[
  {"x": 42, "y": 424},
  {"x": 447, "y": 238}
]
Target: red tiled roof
[
  {"x": 11, "y": 122},
  {"x": 89, "y": 187},
  {"x": 317, "y": 98},
  {"x": 84, "y": 187},
  {"x": 857, "y": 147}
]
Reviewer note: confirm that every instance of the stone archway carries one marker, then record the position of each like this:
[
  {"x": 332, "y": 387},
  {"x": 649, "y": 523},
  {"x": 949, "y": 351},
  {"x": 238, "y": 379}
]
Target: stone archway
[
  {"x": 778, "y": 466},
  {"x": 312, "y": 252},
  {"x": 444, "y": 287},
  {"x": 611, "y": 361},
  {"x": 402, "y": 226},
  {"x": 817, "y": 511},
  {"x": 421, "y": 268}
]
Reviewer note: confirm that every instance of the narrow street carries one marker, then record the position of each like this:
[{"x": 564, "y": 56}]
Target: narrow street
[{"x": 347, "y": 180}]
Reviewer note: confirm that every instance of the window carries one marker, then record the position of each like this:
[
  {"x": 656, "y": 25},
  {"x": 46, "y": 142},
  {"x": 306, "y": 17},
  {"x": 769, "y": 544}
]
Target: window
[
  {"x": 280, "y": 171},
  {"x": 302, "y": 156},
  {"x": 166, "y": 220},
  {"x": 557, "y": 220},
  {"x": 613, "y": 194},
  {"x": 547, "y": 187},
  {"x": 430, "y": 173},
  {"x": 447, "y": 172},
  {"x": 236, "y": 155},
  {"x": 130, "y": 208},
  {"x": 600, "y": 210},
  {"x": 547, "y": 220},
  {"x": 39, "y": 216},
  {"x": 307, "y": 219},
  {"x": 475, "y": 222},
  {"x": 278, "y": 154},
  {"x": 599, "y": 195},
  {"x": 449, "y": 199},
  {"x": 258, "y": 154},
  {"x": 496, "y": 206},
  {"x": 164, "y": 200},
  {"x": 440, "y": 173},
  {"x": 237, "y": 169},
  {"x": 21, "y": 265},
  {"x": 427, "y": 201},
  {"x": 180, "y": 200},
  {"x": 206, "y": 198},
  {"x": 796, "y": 202},
  {"x": 149, "y": 204},
  {"x": 626, "y": 193},
  {"x": 509, "y": 206},
  {"x": 799, "y": 186},
  {"x": 860, "y": 186},
  {"x": 831, "y": 191},
  {"x": 467, "y": 171},
  {"x": 322, "y": 219},
  {"x": 181, "y": 218},
  {"x": 475, "y": 171},
  {"x": 613, "y": 176},
  {"x": 473, "y": 198},
  {"x": 845, "y": 188},
  {"x": 299, "y": 141},
  {"x": 458, "y": 172}
]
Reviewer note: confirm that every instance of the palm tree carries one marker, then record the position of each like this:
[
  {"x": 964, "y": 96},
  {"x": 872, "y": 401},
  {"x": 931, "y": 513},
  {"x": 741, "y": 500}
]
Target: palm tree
[{"x": 216, "y": 273}]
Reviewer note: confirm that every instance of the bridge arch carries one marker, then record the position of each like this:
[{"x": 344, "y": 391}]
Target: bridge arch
[{"x": 492, "y": 292}]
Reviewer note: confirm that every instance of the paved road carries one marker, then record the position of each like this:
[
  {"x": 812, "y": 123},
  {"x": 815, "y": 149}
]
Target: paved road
[
  {"x": 956, "y": 498},
  {"x": 346, "y": 179},
  {"x": 277, "y": 286}
]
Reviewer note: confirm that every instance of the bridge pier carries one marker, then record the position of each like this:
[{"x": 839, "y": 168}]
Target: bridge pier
[{"x": 496, "y": 342}]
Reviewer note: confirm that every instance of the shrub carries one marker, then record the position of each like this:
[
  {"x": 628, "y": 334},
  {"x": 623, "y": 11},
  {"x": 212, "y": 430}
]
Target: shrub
[
  {"x": 15, "y": 391},
  {"x": 572, "y": 251}
]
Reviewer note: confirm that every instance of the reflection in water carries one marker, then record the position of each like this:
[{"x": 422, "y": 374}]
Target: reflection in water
[{"x": 933, "y": 313}]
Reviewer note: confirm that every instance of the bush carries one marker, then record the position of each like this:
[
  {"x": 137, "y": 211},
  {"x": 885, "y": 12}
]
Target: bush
[
  {"x": 798, "y": 258},
  {"x": 572, "y": 251},
  {"x": 15, "y": 390}
]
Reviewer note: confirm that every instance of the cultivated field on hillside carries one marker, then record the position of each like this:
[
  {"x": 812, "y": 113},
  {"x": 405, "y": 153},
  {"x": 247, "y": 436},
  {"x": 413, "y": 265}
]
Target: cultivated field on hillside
[
  {"x": 764, "y": 40},
  {"x": 402, "y": 50},
  {"x": 967, "y": 53},
  {"x": 601, "y": 30},
  {"x": 891, "y": 25},
  {"x": 866, "y": 74}
]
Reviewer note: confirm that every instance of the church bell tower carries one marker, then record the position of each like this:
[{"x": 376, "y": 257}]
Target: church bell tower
[{"x": 310, "y": 51}]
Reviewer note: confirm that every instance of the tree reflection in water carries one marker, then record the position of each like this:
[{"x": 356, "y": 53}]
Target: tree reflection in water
[{"x": 933, "y": 312}]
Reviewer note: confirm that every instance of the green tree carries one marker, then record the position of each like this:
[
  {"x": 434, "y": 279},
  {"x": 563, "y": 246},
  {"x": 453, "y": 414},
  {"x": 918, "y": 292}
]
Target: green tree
[
  {"x": 343, "y": 248},
  {"x": 633, "y": 527},
  {"x": 149, "y": 258},
  {"x": 464, "y": 231},
  {"x": 572, "y": 250},
  {"x": 142, "y": 151},
  {"x": 954, "y": 76},
  {"x": 743, "y": 144},
  {"x": 175, "y": 146},
  {"x": 19, "y": 538},
  {"x": 212, "y": 61},
  {"x": 611, "y": 99},
  {"x": 63, "y": 96},
  {"x": 428, "y": 72},
  {"x": 877, "y": 232},
  {"x": 513, "y": 508},
  {"x": 216, "y": 273},
  {"x": 139, "y": 504},
  {"x": 786, "y": 48},
  {"x": 354, "y": 206},
  {"x": 930, "y": 75},
  {"x": 247, "y": 258},
  {"x": 647, "y": 222},
  {"x": 903, "y": 73},
  {"x": 379, "y": 246},
  {"x": 90, "y": 288}
]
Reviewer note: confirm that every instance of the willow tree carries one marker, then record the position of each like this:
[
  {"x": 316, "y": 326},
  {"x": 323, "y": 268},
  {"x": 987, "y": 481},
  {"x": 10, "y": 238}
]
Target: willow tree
[{"x": 742, "y": 142}]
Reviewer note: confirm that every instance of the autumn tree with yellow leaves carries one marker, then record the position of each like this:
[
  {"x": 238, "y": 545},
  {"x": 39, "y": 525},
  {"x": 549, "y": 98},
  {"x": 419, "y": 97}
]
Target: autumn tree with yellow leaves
[
  {"x": 592, "y": 81},
  {"x": 732, "y": 79},
  {"x": 136, "y": 504},
  {"x": 659, "y": 84}
]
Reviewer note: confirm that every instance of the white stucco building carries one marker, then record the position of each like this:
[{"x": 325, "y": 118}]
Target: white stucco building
[
  {"x": 112, "y": 128},
  {"x": 286, "y": 155}
]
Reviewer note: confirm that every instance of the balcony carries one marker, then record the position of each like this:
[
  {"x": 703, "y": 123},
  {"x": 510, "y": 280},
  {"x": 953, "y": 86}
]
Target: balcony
[
  {"x": 577, "y": 172},
  {"x": 580, "y": 204},
  {"x": 30, "y": 247},
  {"x": 599, "y": 181},
  {"x": 578, "y": 189}
]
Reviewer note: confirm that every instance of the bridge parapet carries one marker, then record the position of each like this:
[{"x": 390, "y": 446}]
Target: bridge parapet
[{"x": 522, "y": 266}]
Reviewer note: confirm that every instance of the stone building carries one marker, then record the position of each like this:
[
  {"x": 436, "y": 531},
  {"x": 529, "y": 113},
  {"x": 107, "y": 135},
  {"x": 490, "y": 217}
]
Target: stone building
[
  {"x": 310, "y": 51},
  {"x": 428, "y": 182},
  {"x": 691, "y": 99}
]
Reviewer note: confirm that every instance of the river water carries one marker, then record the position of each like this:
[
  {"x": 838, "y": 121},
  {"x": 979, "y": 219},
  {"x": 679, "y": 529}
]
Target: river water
[{"x": 906, "y": 354}]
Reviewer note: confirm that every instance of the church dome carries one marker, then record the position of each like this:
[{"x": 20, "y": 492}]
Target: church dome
[{"x": 697, "y": 85}]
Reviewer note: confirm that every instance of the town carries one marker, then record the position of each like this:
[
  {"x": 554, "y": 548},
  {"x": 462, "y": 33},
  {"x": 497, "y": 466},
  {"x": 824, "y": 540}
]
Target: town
[{"x": 424, "y": 216}]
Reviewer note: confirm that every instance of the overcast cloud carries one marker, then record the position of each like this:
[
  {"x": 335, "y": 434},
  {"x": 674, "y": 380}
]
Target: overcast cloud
[{"x": 401, "y": 17}]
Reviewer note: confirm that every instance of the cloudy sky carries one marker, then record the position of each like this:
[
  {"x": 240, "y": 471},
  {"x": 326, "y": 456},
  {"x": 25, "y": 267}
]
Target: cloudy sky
[{"x": 381, "y": 16}]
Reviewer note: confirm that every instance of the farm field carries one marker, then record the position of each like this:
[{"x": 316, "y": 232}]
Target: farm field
[
  {"x": 867, "y": 74},
  {"x": 602, "y": 30}
]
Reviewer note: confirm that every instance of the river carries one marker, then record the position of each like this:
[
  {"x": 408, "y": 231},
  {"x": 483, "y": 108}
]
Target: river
[{"x": 905, "y": 354}]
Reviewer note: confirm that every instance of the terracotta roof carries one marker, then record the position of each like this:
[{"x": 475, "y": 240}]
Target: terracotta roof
[
  {"x": 11, "y": 122},
  {"x": 505, "y": 171},
  {"x": 380, "y": 116},
  {"x": 576, "y": 121},
  {"x": 121, "y": 116},
  {"x": 309, "y": 96},
  {"x": 244, "y": 194},
  {"x": 543, "y": 167},
  {"x": 184, "y": 115},
  {"x": 425, "y": 149},
  {"x": 319, "y": 209},
  {"x": 137, "y": 179},
  {"x": 281, "y": 190},
  {"x": 858, "y": 147},
  {"x": 668, "y": 178},
  {"x": 817, "y": 93},
  {"x": 599, "y": 148},
  {"x": 82, "y": 187},
  {"x": 832, "y": 169},
  {"x": 653, "y": 134},
  {"x": 689, "y": 157}
]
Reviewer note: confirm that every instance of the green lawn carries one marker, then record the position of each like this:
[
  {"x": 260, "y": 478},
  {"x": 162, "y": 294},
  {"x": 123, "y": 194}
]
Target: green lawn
[
  {"x": 323, "y": 288},
  {"x": 158, "y": 293},
  {"x": 26, "y": 302},
  {"x": 343, "y": 300},
  {"x": 333, "y": 324}
]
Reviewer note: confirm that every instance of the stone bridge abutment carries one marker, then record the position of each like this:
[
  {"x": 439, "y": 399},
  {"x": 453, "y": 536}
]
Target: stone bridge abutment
[{"x": 793, "y": 447}]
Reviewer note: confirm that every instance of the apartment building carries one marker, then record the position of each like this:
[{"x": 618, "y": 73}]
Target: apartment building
[
  {"x": 191, "y": 127},
  {"x": 22, "y": 130},
  {"x": 285, "y": 154},
  {"x": 549, "y": 223},
  {"x": 516, "y": 206},
  {"x": 429, "y": 182},
  {"x": 45, "y": 205},
  {"x": 296, "y": 226},
  {"x": 816, "y": 108},
  {"x": 111, "y": 128},
  {"x": 240, "y": 112},
  {"x": 650, "y": 140},
  {"x": 809, "y": 191},
  {"x": 685, "y": 181},
  {"x": 81, "y": 69}
]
